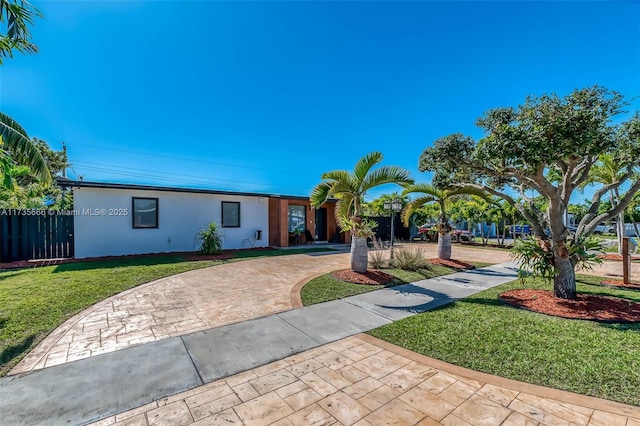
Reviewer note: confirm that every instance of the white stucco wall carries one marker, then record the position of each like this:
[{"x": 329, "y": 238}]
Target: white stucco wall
[{"x": 180, "y": 217}]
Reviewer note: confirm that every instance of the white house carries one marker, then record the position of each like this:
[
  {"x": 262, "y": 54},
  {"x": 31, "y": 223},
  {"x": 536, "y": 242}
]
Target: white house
[
  {"x": 112, "y": 219},
  {"x": 117, "y": 219}
]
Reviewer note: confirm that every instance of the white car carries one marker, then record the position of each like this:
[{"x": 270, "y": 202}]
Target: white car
[{"x": 605, "y": 229}]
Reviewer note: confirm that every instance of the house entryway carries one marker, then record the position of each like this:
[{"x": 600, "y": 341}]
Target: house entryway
[{"x": 321, "y": 224}]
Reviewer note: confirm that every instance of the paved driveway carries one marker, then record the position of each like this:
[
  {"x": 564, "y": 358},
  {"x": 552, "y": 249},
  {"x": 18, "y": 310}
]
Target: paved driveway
[
  {"x": 359, "y": 380},
  {"x": 194, "y": 301},
  {"x": 207, "y": 298}
]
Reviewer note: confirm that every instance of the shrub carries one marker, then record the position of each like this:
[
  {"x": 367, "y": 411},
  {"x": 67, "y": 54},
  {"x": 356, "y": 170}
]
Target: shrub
[
  {"x": 409, "y": 259},
  {"x": 210, "y": 239},
  {"x": 377, "y": 258},
  {"x": 536, "y": 255}
]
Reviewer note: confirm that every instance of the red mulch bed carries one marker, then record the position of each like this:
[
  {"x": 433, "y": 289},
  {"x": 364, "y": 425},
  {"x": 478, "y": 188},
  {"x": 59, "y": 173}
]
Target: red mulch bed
[
  {"x": 621, "y": 284},
  {"x": 616, "y": 256},
  {"x": 452, "y": 263},
  {"x": 377, "y": 277},
  {"x": 371, "y": 277},
  {"x": 586, "y": 307}
]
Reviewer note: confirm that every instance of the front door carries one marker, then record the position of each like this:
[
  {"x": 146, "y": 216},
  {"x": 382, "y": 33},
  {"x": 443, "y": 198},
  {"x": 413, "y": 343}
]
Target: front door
[{"x": 321, "y": 224}]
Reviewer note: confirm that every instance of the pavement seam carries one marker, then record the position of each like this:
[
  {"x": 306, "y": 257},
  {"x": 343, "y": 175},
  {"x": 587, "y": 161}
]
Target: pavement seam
[
  {"x": 370, "y": 310},
  {"x": 301, "y": 331},
  {"x": 195, "y": 367}
]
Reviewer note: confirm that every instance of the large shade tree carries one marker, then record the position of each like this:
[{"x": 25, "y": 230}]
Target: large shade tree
[
  {"x": 15, "y": 18},
  {"x": 546, "y": 146},
  {"x": 429, "y": 194},
  {"x": 350, "y": 189}
]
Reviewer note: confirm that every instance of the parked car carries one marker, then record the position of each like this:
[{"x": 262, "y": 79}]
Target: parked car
[
  {"x": 519, "y": 231},
  {"x": 428, "y": 232},
  {"x": 461, "y": 235},
  {"x": 605, "y": 229}
]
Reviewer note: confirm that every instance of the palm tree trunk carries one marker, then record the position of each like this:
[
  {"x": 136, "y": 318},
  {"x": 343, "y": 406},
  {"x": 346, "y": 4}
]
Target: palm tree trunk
[
  {"x": 359, "y": 254},
  {"x": 444, "y": 246}
]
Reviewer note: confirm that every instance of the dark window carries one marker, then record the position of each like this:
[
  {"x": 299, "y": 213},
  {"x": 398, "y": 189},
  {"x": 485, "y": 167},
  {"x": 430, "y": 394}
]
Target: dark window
[
  {"x": 297, "y": 218},
  {"x": 230, "y": 214},
  {"x": 145, "y": 212}
]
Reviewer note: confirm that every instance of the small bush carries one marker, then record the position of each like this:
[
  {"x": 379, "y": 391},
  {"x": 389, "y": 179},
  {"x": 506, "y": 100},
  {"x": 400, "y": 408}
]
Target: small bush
[
  {"x": 377, "y": 258},
  {"x": 210, "y": 239},
  {"x": 409, "y": 259}
]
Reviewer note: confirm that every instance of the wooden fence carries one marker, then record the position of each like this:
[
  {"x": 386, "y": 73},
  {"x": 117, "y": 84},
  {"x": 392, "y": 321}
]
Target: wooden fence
[{"x": 35, "y": 235}]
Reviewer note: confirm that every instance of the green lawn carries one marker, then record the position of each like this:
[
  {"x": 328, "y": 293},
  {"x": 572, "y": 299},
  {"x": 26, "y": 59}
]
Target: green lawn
[
  {"x": 482, "y": 334},
  {"x": 326, "y": 288},
  {"x": 33, "y": 302}
]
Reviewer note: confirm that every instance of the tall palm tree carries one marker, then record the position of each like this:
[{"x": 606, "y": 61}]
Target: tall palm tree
[
  {"x": 16, "y": 147},
  {"x": 441, "y": 197},
  {"x": 350, "y": 188},
  {"x": 17, "y": 14}
]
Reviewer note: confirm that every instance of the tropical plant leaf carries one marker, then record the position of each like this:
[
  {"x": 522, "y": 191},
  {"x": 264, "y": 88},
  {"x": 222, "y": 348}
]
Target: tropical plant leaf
[{"x": 23, "y": 150}]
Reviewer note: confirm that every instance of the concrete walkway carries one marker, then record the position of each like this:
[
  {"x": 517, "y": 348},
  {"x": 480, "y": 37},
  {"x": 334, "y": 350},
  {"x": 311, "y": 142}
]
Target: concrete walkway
[{"x": 297, "y": 367}]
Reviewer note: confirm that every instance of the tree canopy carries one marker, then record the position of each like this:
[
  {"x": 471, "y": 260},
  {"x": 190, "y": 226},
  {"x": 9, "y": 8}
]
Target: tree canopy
[
  {"x": 548, "y": 145},
  {"x": 547, "y": 148}
]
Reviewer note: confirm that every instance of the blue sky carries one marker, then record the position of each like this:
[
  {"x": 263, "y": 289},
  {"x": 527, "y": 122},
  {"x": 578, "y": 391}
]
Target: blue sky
[{"x": 266, "y": 96}]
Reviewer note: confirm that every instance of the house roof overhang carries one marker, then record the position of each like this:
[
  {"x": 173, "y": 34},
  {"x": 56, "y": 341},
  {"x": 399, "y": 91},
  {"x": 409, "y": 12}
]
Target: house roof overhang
[{"x": 69, "y": 183}]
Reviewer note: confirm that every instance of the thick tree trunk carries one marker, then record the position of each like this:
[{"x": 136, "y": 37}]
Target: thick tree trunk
[
  {"x": 444, "y": 246},
  {"x": 359, "y": 254},
  {"x": 564, "y": 281}
]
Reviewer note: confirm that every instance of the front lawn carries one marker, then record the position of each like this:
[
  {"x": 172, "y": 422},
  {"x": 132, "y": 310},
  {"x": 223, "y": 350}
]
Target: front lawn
[
  {"x": 482, "y": 334},
  {"x": 33, "y": 302},
  {"x": 326, "y": 288}
]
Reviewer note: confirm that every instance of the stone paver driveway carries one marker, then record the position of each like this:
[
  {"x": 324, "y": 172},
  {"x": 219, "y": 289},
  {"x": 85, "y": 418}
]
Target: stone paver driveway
[
  {"x": 363, "y": 381},
  {"x": 207, "y": 298},
  {"x": 359, "y": 380},
  {"x": 181, "y": 304}
]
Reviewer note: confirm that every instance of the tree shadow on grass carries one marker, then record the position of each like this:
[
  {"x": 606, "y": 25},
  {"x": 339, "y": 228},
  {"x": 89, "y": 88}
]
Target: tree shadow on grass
[
  {"x": 8, "y": 274},
  {"x": 12, "y": 351},
  {"x": 118, "y": 263}
]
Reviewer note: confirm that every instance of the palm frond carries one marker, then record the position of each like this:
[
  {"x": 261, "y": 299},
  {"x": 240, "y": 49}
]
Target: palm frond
[
  {"x": 423, "y": 188},
  {"x": 344, "y": 208},
  {"x": 484, "y": 196},
  {"x": 415, "y": 205},
  {"x": 15, "y": 140},
  {"x": 386, "y": 174},
  {"x": 364, "y": 165},
  {"x": 321, "y": 193}
]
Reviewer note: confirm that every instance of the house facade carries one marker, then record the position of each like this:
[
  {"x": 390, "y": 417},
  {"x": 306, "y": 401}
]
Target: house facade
[{"x": 112, "y": 219}]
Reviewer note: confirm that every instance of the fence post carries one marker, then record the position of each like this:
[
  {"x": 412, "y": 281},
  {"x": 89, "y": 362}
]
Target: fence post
[{"x": 626, "y": 260}]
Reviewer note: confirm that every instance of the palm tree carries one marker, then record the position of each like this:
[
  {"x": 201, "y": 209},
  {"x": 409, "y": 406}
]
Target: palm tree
[
  {"x": 606, "y": 171},
  {"x": 16, "y": 147},
  {"x": 17, "y": 14},
  {"x": 431, "y": 194},
  {"x": 350, "y": 189}
]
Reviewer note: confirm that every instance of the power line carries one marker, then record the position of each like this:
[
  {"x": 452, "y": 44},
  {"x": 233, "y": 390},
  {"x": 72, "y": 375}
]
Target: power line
[
  {"x": 172, "y": 157},
  {"x": 199, "y": 180}
]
